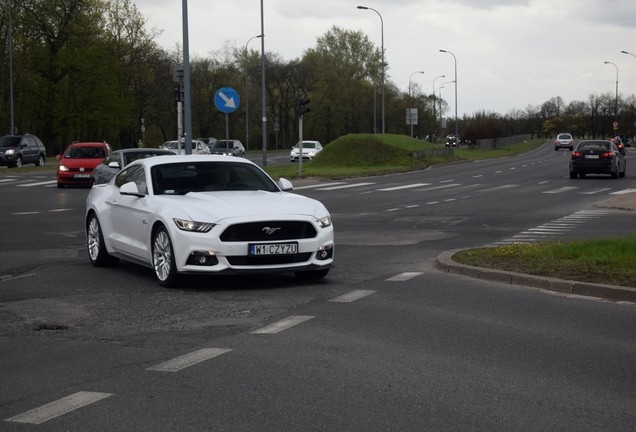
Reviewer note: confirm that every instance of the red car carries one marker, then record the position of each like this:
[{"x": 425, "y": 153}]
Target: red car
[{"x": 78, "y": 162}]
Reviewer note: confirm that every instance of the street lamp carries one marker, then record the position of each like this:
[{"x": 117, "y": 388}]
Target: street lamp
[
  {"x": 434, "y": 116},
  {"x": 382, "y": 66},
  {"x": 440, "y": 104},
  {"x": 247, "y": 126},
  {"x": 411, "y": 99},
  {"x": 456, "y": 119},
  {"x": 616, "y": 98},
  {"x": 631, "y": 54}
]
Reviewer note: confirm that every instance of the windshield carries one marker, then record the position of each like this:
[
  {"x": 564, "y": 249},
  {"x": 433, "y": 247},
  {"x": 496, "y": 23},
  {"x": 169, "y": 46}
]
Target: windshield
[
  {"x": 9, "y": 141},
  {"x": 223, "y": 144},
  {"x": 85, "y": 153},
  {"x": 184, "y": 177}
]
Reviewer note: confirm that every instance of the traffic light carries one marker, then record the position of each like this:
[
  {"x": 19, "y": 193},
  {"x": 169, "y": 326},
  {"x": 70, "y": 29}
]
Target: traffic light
[{"x": 302, "y": 106}]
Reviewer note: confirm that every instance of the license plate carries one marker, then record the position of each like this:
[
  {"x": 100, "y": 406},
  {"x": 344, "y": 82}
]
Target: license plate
[
  {"x": 591, "y": 156},
  {"x": 82, "y": 176},
  {"x": 273, "y": 248}
]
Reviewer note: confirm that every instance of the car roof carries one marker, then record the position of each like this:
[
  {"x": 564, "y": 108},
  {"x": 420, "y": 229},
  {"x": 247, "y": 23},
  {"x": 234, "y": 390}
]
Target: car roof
[
  {"x": 88, "y": 144},
  {"x": 145, "y": 150},
  {"x": 170, "y": 159}
]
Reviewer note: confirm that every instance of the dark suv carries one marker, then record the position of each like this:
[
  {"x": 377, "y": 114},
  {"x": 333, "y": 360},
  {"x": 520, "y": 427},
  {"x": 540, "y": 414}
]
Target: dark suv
[{"x": 17, "y": 150}]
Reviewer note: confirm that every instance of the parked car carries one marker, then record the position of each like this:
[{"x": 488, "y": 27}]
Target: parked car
[
  {"x": 208, "y": 141},
  {"x": 597, "y": 157},
  {"x": 120, "y": 158},
  {"x": 198, "y": 147},
  {"x": 172, "y": 216},
  {"x": 231, "y": 147},
  {"x": 564, "y": 140},
  {"x": 310, "y": 150},
  {"x": 78, "y": 162},
  {"x": 17, "y": 150}
]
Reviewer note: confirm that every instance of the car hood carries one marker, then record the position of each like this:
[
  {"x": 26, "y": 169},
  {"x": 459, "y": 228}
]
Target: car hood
[
  {"x": 81, "y": 163},
  {"x": 219, "y": 205}
]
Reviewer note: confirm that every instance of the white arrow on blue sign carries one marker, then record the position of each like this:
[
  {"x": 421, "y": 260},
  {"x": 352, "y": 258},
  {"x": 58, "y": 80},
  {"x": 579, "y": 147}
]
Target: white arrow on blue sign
[{"x": 226, "y": 100}]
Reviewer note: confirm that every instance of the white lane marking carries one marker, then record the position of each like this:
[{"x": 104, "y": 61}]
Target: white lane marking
[
  {"x": 624, "y": 191},
  {"x": 404, "y": 187},
  {"x": 59, "y": 407},
  {"x": 352, "y": 296},
  {"x": 37, "y": 184},
  {"x": 8, "y": 180},
  {"x": 498, "y": 188},
  {"x": 188, "y": 360},
  {"x": 60, "y": 210},
  {"x": 318, "y": 185},
  {"x": 560, "y": 190},
  {"x": 403, "y": 276},
  {"x": 446, "y": 181},
  {"x": 438, "y": 187},
  {"x": 478, "y": 175},
  {"x": 284, "y": 324},
  {"x": 25, "y": 213},
  {"x": 346, "y": 186},
  {"x": 595, "y": 191}
]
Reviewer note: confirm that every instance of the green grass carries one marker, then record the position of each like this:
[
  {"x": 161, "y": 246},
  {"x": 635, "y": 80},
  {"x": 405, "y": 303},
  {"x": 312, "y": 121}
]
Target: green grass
[{"x": 608, "y": 261}]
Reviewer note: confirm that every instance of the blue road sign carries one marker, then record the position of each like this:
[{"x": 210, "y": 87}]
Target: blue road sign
[{"x": 226, "y": 100}]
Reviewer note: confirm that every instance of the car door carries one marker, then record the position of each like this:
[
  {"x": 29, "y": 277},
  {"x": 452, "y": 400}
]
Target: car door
[
  {"x": 131, "y": 215},
  {"x": 27, "y": 148}
]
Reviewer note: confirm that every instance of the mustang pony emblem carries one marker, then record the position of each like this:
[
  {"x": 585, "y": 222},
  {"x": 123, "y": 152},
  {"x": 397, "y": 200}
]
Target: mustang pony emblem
[{"x": 270, "y": 231}]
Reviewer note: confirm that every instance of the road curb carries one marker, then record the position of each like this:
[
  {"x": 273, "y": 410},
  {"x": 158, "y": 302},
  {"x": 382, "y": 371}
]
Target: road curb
[{"x": 446, "y": 264}]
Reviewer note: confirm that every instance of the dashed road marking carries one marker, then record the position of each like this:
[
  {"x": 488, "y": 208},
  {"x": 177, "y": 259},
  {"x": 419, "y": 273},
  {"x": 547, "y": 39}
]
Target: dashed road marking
[
  {"x": 403, "y": 276},
  {"x": 283, "y": 324},
  {"x": 188, "y": 360},
  {"x": 58, "y": 407},
  {"x": 352, "y": 296}
]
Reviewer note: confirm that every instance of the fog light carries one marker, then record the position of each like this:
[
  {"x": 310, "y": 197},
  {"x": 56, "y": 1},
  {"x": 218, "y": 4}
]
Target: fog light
[
  {"x": 324, "y": 253},
  {"x": 203, "y": 258}
]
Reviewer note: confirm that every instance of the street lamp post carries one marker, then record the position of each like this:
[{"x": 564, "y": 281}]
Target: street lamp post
[
  {"x": 440, "y": 104},
  {"x": 382, "y": 65},
  {"x": 631, "y": 54},
  {"x": 434, "y": 103},
  {"x": 456, "y": 119},
  {"x": 411, "y": 99},
  {"x": 247, "y": 126},
  {"x": 263, "y": 88},
  {"x": 616, "y": 98}
]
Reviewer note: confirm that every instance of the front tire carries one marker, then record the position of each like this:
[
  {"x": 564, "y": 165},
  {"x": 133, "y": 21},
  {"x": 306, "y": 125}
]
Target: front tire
[
  {"x": 97, "y": 252},
  {"x": 163, "y": 262},
  {"x": 40, "y": 161}
]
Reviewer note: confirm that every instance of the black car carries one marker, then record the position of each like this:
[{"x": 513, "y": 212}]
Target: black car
[
  {"x": 231, "y": 147},
  {"x": 17, "y": 150},
  {"x": 597, "y": 157},
  {"x": 118, "y": 159}
]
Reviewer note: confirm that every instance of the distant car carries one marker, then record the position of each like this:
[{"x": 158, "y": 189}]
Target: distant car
[
  {"x": 310, "y": 150},
  {"x": 198, "y": 147},
  {"x": 208, "y": 141},
  {"x": 231, "y": 147},
  {"x": 78, "y": 162},
  {"x": 564, "y": 140},
  {"x": 168, "y": 213},
  {"x": 17, "y": 150},
  {"x": 120, "y": 158},
  {"x": 619, "y": 144},
  {"x": 597, "y": 157}
]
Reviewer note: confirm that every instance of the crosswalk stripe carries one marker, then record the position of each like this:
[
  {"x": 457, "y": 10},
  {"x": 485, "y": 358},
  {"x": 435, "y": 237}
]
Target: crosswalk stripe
[
  {"x": 409, "y": 186},
  {"x": 345, "y": 186},
  {"x": 352, "y": 296}
]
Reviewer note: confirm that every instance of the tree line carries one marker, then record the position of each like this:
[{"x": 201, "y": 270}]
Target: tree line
[{"x": 90, "y": 70}]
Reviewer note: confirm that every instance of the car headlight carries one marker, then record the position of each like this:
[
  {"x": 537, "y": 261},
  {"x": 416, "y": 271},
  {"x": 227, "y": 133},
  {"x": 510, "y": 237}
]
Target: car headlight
[
  {"x": 324, "y": 222},
  {"x": 63, "y": 168},
  {"x": 190, "y": 225},
  {"x": 9, "y": 152}
]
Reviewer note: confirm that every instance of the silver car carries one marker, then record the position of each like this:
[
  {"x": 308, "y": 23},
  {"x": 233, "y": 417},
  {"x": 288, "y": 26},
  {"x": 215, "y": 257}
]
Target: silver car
[
  {"x": 564, "y": 140},
  {"x": 118, "y": 159},
  {"x": 198, "y": 147}
]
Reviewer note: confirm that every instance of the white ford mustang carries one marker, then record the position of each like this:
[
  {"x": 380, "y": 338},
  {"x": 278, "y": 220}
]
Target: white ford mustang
[{"x": 206, "y": 214}]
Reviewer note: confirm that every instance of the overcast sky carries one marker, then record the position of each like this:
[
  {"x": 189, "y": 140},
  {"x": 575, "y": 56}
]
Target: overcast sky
[{"x": 510, "y": 53}]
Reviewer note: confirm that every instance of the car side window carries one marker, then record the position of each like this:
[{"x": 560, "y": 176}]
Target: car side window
[{"x": 133, "y": 174}]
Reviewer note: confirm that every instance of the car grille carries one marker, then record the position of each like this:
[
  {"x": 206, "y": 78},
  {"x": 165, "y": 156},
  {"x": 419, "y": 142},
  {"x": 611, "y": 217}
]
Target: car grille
[
  {"x": 269, "y": 231},
  {"x": 268, "y": 260}
]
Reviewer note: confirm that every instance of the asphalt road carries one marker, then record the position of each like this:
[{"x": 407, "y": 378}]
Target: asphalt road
[{"x": 386, "y": 342}]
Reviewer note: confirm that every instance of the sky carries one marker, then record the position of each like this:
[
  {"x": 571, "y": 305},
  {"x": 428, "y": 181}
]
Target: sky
[{"x": 509, "y": 53}]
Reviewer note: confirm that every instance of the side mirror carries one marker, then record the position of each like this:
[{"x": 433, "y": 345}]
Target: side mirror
[
  {"x": 130, "y": 188},
  {"x": 285, "y": 185}
]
